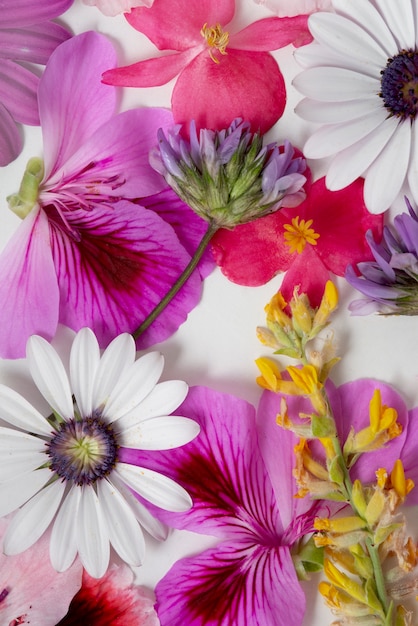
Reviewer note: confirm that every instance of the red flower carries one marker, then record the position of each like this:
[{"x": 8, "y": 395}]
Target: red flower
[{"x": 323, "y": 234}]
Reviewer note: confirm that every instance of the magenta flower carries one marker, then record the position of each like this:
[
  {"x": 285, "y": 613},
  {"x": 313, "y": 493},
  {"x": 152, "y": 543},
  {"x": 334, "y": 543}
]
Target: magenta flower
[
  {"x": 249, "y": 577},
  {"x": 31, "y": 591},
  {"x": 84, "y": 255},
  {"x": 26, "y": 36},
  {"x": 221, "y": 74}
]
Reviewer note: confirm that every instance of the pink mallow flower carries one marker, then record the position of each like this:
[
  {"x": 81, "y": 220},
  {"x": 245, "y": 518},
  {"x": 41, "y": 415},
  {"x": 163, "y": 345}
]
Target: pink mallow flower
[
  {"x": 27, "y": 36},
  {"x": 249, "y": 577},
  {"x": 114, "y": 7},
  {"x": 85, "y": 255},
  {"x": 222, "y": 74},
  {"x": 287, "y": 8},
  {"x": 323, "y": 234}
]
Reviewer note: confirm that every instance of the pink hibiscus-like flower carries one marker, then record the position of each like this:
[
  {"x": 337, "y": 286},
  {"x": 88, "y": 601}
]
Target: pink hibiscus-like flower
[
  {"x": 84, "y": 254},
  {"x": 114, "y": 7},
  {"x": 26, "y": 36},
  {"x": 288, "y": 8},
  {"x": 31, "y": 590},
  {"x": 249, "y": 577},
  {"x": 323, "y": 234},
  {"x": 112, "y": 601},
  {"x": 222, "y": 74}
]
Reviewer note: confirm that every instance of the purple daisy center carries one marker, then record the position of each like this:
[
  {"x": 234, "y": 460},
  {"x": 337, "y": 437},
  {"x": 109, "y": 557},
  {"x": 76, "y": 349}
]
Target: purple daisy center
[
  {"x": 83, "y": 451},
  {"x": 399, "y": 85}
]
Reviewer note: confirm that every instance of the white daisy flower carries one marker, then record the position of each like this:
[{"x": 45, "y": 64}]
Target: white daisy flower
[
  {"x": 68, "y": 470},
  {"x": 361, "y": 83}
]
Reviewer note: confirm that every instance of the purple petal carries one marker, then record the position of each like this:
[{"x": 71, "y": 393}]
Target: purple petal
[
  {"x": 10, "y": 138},
  {"x": 221, "y": 469},
  {"x": 28, "y": 287},
  {"x": 21, "y": 13},
  {"x": 114, "y": 265},
  {"x": 73, "y": 102},
  {"x": 34, "y": 44},
  {"x": 18, "y": 92},
  {"x": 231, "y": 585},
  {"x": 188, "y": 226}
]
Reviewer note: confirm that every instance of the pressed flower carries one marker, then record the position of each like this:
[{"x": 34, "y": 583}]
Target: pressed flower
[
  {"x": 288, "y": 8},
  {"x": 243, "y": 493},
  {"x": 112, "y": 601},
  {"x": 84, "y": 254},
  {"x": 360, "y": 82},
  {"x": 31, "y": 591},
  {"x": 27, "y": 36},
  {"x": 69, "y": 470},
  {"x": 114, "y": 7},
  {"x": 323, "y": 234},
  {"x": 209, "y": 57},
  {"x": 390, "y": 282}
]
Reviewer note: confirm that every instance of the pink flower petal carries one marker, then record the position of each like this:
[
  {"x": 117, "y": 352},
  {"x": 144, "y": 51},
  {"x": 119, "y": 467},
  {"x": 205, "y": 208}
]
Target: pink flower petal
[
  {"x": 18, "y": 92},
  {"x": 28, "y": 287},
  {"x": 409, "y": 455},
  {"x": 308, "y": 273},
  {"x": 71, "y": 114},
  {"x": 34, "y": 44},
  {"x": 243, "y": 584},
  {"x": 213, "y": 94},
  {"x": 272, "y": 33},
  {"x": 22, "y": 13},
  {"x": 10, "y": 138},
  {"x": 295, "y": 7}
]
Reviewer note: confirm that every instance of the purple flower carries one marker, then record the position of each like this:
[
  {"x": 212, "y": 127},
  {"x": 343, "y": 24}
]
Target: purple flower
[
  {"x": 390, "y": 282},
  {"x": 249, "y": 577},
  {"x": 26, "y": 35},
  {"x": 85, "y": 254}
]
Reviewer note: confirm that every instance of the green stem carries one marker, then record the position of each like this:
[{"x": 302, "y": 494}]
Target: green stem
[
  {"x": 378, "y": 574},
  {"x": 211, "y": 230}
]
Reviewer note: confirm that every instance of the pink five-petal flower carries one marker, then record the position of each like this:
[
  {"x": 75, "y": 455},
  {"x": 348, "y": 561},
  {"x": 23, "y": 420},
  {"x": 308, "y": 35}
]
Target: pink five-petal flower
[
  {"x": 31, "y": 591},
  {"x": 26, "y": 35},
  {"x": 85, "y": 255},
  {"x": 222, "y": 74},
  {"x": 249, "y": 577},
  {"x": 112, "y": 601},
  {"x": 253, "y": 253},
  {"x": 287, "y": 8}
]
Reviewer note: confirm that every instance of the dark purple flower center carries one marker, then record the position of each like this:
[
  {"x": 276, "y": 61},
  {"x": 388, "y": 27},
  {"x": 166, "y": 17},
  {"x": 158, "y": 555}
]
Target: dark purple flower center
[
  {"x": 83, "y": 450},
  {"x": 399, "y": 85}
]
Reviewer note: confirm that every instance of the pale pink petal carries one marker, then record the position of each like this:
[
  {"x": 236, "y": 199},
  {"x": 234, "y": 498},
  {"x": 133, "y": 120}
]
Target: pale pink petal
[
  {"x": 285, "y": 8},
  {"x": 10, "y": 137},
  {"x": 20, "y": 13},
  {"x": 18, "y": 92},
  {"x": 272, "y": 33},
  {"x": 213, "y": 94},
  {"x": 71, "y": 113},
  {"x": 35, "y": 43},
  {"x": 28, "y": 287},
  {"x": 115, "y": 7}
]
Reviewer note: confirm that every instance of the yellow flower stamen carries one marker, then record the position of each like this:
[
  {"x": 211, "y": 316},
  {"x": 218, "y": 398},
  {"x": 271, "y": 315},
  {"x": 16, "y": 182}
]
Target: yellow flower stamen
[
  {"x": 339, "y": 524},
  {"x": 401, "y": 484},
  {"x": 298, "y": 234},
  {"x": 216, "y": 38}
]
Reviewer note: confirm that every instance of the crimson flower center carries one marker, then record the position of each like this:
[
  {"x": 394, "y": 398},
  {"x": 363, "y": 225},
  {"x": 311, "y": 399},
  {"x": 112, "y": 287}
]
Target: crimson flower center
[
  {"x": 399, "y": 85},
  {"x": 216, "y": 38}
]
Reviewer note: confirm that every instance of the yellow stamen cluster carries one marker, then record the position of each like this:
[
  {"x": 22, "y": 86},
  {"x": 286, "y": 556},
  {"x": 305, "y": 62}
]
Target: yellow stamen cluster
[
  {"x": 298, "y": 234},
  {"x": 216, "y": 38}
]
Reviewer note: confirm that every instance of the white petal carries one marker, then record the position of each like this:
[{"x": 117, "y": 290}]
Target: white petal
[
  {"x": 118, "y": 356},
  {"x": 125, "y": 533},
  {"x": 387, "y": 174},
  {"x": 84, "y": 361},
  {"x": 17, "y": 491},
  {"x": 48, "y": 372},
  {"x": 162, "y": 400},
  {"x": 63, "y": 542},
  {"x": 329, "y": 113},
  {"x": 20, "y": 453},
  {"x": 399, "y": 17},
  {"x": 134, "y": 385},
  {"x": 155, "y": 487},
  {"x": 15, "y": 410},
  {"x": 152, "y": 525},
  {"x": 352, "y": 162},
  {"x": 413, "y": 165},
  {"x": 32, "y": 520},
  {"x": 92, "y": 534},
  {"x": 335, "y": 84},
  {"x": 158, "y": 433},
  {"x": 333, "y": 138}
]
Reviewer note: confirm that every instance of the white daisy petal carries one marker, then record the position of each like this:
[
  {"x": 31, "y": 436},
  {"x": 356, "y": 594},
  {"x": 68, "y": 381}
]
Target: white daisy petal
[
  {"x": 159, "y": 433},
  {"x": 49, "y": 375},
  {"x": 399, "y": 17},
  {"x": 17, "y": 411},
  {"x": 387, "y": 174},
  {"x": 118, "y": 356},
  {"x": 20, "y": 453},
  {"x": 155, "y": 487},
  {"x": 134, "y": 385},
  {"x": 329, "y": 113},
  {"x": 125, "y": 533},
  {"x": 92, "y": 535},
  {"x": 84, "y": 361},
  {"x": 63, "y": 542},
  {"x": 165, "y": 398},
  {"x": 335, "y": 84},
  {"x": 152, "y": 525},
  {"x": 32, "y": 520},
  {"x": 413, "y": 165},
  {"x": 17, "y": 491}
]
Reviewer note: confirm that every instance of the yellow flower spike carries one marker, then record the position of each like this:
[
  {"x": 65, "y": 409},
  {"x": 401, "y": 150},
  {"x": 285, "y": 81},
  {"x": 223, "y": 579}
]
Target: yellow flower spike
[
  {"x": 401, "y": 485},
  {"x": 271, "y": 378},
  {"x": 329, "y": 447},
  {"x": 381, "y": 416},
  {"x": 275, "y": 311},
  {"x": 302, "y": 314},
  {"x": 305, "y": 378},
  {"x": 375, "y": 507},
  {"x": 340, "y": 524},
  {"x": 344, "y": 582},
  {"x": 303, "y": 453},
  {"x": 328, "y": 304},
  {"x": 358, "y": 497},
  {"x": 381, "y": 476}
]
